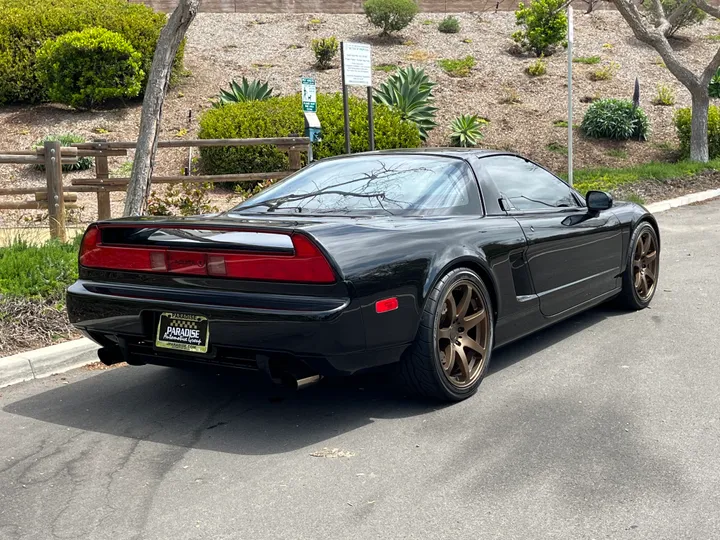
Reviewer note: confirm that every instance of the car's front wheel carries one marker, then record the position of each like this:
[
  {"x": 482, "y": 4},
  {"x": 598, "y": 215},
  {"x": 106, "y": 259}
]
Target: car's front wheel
[
  {"x": 451, "y": 352},
  {"x": 643, "y": 268}
]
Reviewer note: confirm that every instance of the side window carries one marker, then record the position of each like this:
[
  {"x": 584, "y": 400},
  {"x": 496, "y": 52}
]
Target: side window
[{"x": 527, "y": 186}]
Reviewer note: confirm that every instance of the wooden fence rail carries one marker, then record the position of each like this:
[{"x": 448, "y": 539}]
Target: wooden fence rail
[{"x": 55, "y": 197}]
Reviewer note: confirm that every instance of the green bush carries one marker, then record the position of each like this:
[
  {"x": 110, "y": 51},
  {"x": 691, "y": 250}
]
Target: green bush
[
  {"x": 186, "y": 199},
  {"x": 683, "y": 123},
  {"x": 691, "y": 14},
  {"x": 390, "y": 15},
  {"x": 283, "y": 117},
  {"x": 537, "y": 68},
  {"x": 325, "y": 50},
  {"x": 88, "y": 68},
  {"x": 66, "y": 139},
  {"x": 449, "y": 25},
  {"x": 25, "y": 26},
  {"x": 410, "y": 92},
  {"x": 543, "y": 26},
  {"x": 37, "y": 271},
  {"x": 615, "y": 119}
]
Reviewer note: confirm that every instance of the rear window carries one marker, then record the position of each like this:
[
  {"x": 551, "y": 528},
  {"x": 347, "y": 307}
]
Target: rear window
[{"x": 374, "y": 184}]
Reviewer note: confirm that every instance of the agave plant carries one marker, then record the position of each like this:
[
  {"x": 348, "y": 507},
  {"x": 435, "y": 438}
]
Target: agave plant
[
  {"x": 409, "y": 91},
  {"x": 247, "y": 91},
  {"x": 467, "y": 130}
]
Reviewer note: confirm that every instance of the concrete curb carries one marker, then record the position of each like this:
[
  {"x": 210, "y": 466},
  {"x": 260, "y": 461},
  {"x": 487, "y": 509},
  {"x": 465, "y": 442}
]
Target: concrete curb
[
  {"x": 47, "y": 361},
  {"x": 662, "y": 206}
]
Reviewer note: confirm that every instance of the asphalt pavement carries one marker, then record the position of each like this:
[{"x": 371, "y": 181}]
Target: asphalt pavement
[{"x": 605, "y": 426}]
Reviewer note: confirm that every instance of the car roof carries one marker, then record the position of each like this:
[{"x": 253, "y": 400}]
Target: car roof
[{"x": 461, "y": 153}]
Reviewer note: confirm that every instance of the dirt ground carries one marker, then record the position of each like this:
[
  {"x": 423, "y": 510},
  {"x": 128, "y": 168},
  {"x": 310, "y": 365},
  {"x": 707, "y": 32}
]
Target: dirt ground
[{"x": 277, "y": 48}]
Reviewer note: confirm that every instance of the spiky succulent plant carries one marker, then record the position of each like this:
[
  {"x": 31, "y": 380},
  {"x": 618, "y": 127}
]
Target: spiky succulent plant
[
  {"x": 467, "y": 130},
  {"x": 409, "y": 91},
  {"x": 247, "y": 91}
]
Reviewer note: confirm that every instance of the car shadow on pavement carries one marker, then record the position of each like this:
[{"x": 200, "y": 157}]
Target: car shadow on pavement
[{"x": 238, "y": 413}]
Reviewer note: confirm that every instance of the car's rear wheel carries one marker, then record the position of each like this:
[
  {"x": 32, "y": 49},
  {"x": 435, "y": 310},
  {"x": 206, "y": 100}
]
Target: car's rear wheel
[
  {"x": 452, "y": 350},
  {"x": 643, "y": 268}
]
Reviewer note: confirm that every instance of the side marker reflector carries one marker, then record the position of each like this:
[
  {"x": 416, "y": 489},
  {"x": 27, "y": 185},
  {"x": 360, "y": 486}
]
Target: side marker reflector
[{"x": 389, "y": 304}]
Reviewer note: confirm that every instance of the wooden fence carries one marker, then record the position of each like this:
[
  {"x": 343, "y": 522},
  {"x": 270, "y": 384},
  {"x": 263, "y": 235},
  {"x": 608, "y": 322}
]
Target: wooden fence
[{"x": 57, "y": 197}]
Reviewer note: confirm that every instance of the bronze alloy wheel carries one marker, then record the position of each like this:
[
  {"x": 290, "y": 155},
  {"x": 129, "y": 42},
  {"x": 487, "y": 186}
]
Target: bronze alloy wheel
[
  {"x": 462, "y": 334},
  {"x": 645, "y": 265}
]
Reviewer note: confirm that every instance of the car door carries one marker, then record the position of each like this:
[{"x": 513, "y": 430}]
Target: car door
[{"x": 574, "y": 256}]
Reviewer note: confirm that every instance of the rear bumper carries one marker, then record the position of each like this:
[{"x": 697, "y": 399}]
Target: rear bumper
[{"x": 327, "y": 335}]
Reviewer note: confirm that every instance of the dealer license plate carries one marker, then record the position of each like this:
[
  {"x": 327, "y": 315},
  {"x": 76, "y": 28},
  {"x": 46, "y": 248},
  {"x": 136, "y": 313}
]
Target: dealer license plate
[{"x": 183, "y": 332}]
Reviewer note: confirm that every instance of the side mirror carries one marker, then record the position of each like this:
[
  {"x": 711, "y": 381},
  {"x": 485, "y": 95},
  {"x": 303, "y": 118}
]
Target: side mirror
[{"x": 598, "y": 200}]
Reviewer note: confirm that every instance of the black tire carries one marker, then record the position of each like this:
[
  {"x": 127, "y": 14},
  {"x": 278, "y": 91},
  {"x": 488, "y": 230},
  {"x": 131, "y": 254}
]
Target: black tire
[
  {"x": 630, "y": 297},
  {"x": 421, "y": 368}
]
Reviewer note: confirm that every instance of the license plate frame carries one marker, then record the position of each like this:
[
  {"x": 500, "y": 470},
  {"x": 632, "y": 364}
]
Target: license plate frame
[{"x": 183, "y": 332}]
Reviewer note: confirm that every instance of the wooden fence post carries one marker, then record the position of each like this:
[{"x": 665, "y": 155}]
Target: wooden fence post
[
  {"x": 294, "y": 158},
  {"x": 102, "y": 172},
  {"x": 56, "y": 200}
]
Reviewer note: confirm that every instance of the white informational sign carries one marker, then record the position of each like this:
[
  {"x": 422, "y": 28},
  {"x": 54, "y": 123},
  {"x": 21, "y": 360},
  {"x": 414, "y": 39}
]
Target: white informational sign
[
  {"x": 309, "y": 95},
  {"x": 357, "y": 64},
  {"x": 571, "y": 30}
]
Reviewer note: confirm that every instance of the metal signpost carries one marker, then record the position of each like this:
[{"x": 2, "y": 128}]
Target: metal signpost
[
  {"x": 570, "y": 94},
  {"x": 357, "y": 71},
  {"x": 309, "y": 106}
]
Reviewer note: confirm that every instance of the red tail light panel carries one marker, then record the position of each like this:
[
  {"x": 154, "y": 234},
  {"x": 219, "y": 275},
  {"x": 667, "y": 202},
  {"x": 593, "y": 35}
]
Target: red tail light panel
[{"x": 306, "y": 265}]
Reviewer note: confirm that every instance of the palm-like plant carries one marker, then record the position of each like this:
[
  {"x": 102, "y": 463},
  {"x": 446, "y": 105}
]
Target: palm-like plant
[
  {"x": 467, "y": 130},
  {"x": 247, "y": 91},
  {"x": 409, "y": 91}
]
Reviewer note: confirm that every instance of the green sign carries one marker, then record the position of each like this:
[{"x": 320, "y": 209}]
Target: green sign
[{"x": 309, "y": 95}]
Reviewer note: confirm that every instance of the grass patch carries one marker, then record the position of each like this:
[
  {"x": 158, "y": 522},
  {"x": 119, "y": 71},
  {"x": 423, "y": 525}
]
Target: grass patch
[
  {"x": 607, "y": 178},
  {"x": 418, "y": 56},
  {"x": 605, "y": 73},
  {"x": 637, "y": 199},
  {"x": 563, "y": 124},
  {"x": 557, "y": 148},
  {"x": 457, "y": 67},
  {"x": 510, "y": 96},
  {"x": 617, "y": 153},
  {"x": 590, "y": 60},
  {"x": 665, "y": 96},
  {"x": 387, "y": 68},
  {"x": 713, "y": 37},
  {"x": 38, "y": 272}
]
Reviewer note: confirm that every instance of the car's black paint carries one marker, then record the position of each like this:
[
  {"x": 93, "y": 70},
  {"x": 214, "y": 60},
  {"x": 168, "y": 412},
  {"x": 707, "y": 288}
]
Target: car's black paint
[{"x": 539, "y": 267}]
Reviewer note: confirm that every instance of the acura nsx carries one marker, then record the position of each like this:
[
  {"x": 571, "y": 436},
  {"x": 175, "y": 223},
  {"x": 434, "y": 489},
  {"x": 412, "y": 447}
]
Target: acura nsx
[{"x": 426, "y": 259}]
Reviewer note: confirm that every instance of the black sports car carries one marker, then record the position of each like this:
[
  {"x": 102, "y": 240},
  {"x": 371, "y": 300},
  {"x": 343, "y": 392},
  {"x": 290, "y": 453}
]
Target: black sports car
[{"x": 427, "y": 258}]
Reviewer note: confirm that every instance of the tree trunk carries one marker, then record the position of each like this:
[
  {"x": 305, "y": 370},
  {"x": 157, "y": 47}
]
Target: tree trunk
[
  {"x": 158, "y": 82},
  {"x": 699, "y": 126}
]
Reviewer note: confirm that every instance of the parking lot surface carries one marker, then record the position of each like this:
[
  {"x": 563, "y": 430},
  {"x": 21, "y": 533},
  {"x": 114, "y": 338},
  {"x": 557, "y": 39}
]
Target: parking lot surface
[{"x": 604, "y": 426}]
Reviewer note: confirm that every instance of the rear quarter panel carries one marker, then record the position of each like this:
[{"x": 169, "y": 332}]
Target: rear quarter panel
[{"x": 405, "y": 258}]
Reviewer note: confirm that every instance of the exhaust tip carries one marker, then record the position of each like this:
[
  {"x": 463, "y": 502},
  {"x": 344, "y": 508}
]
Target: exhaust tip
[
  {"x": 110, "y": 355},
  {"x": 289, "y": 381}
]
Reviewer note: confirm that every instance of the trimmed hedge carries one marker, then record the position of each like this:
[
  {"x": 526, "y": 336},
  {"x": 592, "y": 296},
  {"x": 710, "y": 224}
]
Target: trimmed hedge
[
  {"x": 683, "y": 127},
  {"x": 25, "y": 26},
  {"x": 84, "y": 69},
  {"x": 283, "y": 117}
]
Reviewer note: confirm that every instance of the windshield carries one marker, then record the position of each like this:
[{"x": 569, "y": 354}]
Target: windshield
[{"x": 376, "y": 185}]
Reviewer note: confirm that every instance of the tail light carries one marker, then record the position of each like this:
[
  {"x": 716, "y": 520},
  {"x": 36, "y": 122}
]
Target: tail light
[{"x": 306, "y": 265}]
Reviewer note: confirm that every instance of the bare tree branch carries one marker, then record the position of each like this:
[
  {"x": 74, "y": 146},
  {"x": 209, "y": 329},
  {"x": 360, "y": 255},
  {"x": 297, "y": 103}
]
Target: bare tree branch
[{"x": 713, "y": 11}]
